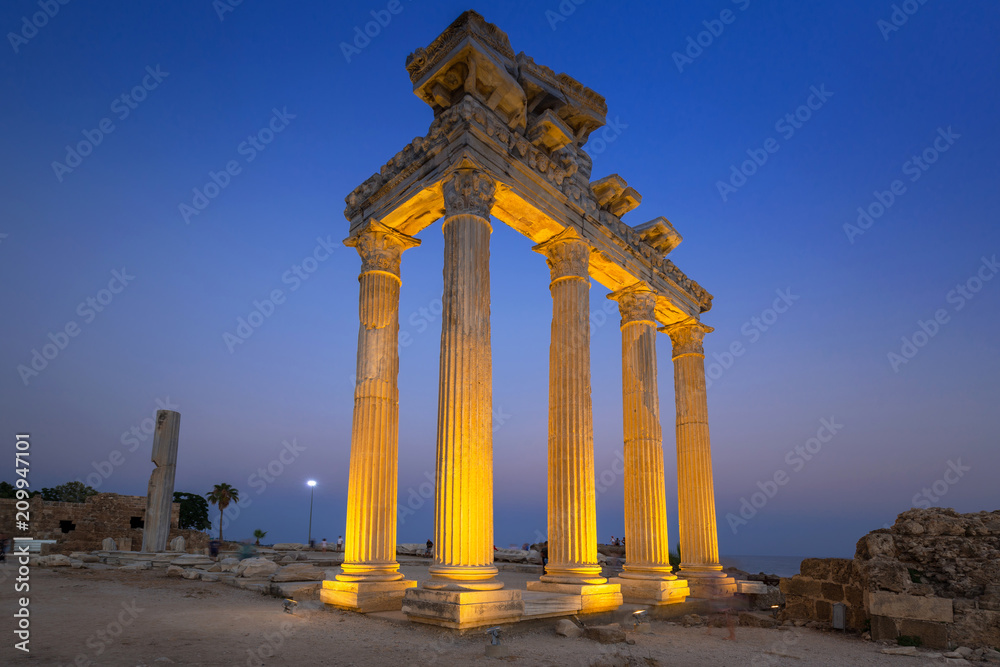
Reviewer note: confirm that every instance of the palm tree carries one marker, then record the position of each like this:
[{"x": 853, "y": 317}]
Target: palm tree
[
  {"x": 222, "y": 495},
  {"x": 259, "y": 534}
]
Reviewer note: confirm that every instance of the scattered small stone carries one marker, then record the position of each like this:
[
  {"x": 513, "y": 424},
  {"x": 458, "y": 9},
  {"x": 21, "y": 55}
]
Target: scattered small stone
[
  {"x": 137, "y": 566},
  {"x": 952, "y": 654},
  {"x": 191, "y": 574},
  {"x": 964, "y": 651},
  {"x": 175, "y": 571},
  {"x": 606, "y": 634},
  {"x": 229, "y": 564},
  {"x": 692, "y": 619},
  {"x": 298, "y": 572},
  {"x": 209, "y": 576},
  {"x": 900, "y": 650},
  {"x": 55, "y": 560},
  {"x": 256, "y": 568},
  {"x": 568, "y": 628}
]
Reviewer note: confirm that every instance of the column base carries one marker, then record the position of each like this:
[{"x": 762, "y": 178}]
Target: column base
[
  {"x": 365, "y": 596},
  {"x": 576, "y": 575},
  {"x": 462, "y": 609},
  {"x": 652, "y": 591},
  {"x": 463, "y": 578},
  {"x": 710, "y": 584},
  {"x": 595, "y": 597}
]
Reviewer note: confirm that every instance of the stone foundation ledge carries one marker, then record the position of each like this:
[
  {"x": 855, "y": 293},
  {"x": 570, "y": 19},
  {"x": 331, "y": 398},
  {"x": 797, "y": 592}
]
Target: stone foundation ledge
[{"x": 462, "y": 610}]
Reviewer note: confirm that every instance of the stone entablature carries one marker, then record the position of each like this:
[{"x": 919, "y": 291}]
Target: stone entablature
[{"x": 541, "y": 170}]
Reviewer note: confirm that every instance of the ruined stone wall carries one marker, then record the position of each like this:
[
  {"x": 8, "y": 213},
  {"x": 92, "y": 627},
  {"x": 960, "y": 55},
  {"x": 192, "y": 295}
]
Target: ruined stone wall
[
  {"x": 934, "y": 575},
  {"x": 82, "y": 526},
  {"x": 821, "y": 583}
]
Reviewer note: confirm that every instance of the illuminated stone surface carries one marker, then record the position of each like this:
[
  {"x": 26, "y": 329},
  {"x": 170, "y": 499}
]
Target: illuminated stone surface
[
  {"x": 572, "y": 511},
  {"x": 695, "y": 489},
  {"x": 507, "y": 142},
  {"x": 370, "y": 538},
  {"x": 463, "y": 609},
  {"x": 647, "y": 577},
  {"x": 463, "y": 504},
  {"x": 365, "y": 596}
]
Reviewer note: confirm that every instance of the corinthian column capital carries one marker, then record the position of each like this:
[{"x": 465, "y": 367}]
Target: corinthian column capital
[
  {"x": 637, "y": 303},
  {"x": 687, "y": 337},
  {"x": 567, "y": 255},
  {"x": 469, "y": 192},
  {"x": 380, "y": 247}
]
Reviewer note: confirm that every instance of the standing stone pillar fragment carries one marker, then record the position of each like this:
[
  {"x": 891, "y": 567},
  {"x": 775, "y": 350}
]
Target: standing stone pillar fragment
[
  {"x": 695, "y": 489},
  {"x": 572, "y": 511},
  {"x": 647, "y": 577},
  {"x": 369, "y": 579},
  {"x": 160, "y": 496}
]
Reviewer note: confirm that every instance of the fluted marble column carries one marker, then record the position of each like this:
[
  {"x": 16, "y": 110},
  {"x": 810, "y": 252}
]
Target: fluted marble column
[
  {"x": 695, "y": 489},
  {"x": 370, "y": 537},
  {"x": 463, "y": 504},
  {"x": 648, "y": 555},
  {"x": 572, "y": 515}
]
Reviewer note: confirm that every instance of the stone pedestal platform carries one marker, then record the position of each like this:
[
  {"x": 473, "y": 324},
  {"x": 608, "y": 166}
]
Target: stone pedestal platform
[
  {"x": 594, "y": 597},
  {"x": 709, "y": 587},
  {"x": 365, "y": 596},
  {"x": 653, "y": 591},
  {"x": 463, "y": 609}
]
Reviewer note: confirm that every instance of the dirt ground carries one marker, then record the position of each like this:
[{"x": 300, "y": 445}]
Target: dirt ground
[{"x": 85, "y": 617}]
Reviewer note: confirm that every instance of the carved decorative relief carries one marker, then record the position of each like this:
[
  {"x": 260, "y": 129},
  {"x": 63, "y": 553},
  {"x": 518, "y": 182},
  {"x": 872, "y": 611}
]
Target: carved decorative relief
[
  {"x": 380, "y": 247},
  {"x": 471, "y": 192},
  {"x": 637, "y": 303},
  {"x": 687, "y": 336},
  {"x": 567, "y": 255}
]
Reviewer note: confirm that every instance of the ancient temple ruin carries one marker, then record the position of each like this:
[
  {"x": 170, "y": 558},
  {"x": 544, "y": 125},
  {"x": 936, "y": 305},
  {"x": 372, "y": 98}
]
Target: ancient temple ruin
[{"x": 507, "y": 142}]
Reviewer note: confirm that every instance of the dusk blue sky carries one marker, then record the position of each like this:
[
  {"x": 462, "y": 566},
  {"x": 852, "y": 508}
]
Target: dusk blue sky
[{"x": 680, "y": 127}]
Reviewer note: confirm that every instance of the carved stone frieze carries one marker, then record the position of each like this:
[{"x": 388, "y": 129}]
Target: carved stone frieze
[
  {"x": 380, "y": 247},
  {"x": 469, "y": 192},
  {"x": 637, "y": 303},
  {"x": 461, "y": 85},
  {"x": 567, "y": 255},
  {"x": 687, "y": 336}
]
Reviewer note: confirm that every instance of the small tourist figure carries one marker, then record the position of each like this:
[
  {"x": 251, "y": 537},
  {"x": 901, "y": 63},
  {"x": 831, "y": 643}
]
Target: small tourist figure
[
  {"x": 323, "y": 544},
  {"x": 430, "y": 549},
  {"x": 213, "y": 548},
  {"x": 613, "y": 541},
  {"x": 340, "y": 543},
  {"x": 545, "y": 554}
]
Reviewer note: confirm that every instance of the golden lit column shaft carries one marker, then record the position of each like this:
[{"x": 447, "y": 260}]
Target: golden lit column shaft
[
  {"x": 572, "y": 516},
  {"x": 370, "y": 544},
  {"x": 645, "y": 489},
  {"x": 696, "y": 493},
  {"x": 463, "y": 504}
]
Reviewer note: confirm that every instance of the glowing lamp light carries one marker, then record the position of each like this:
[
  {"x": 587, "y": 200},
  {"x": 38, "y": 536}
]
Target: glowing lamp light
[{"x": 311, "y": 482}]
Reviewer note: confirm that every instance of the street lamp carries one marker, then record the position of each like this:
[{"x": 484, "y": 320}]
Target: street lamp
[{"x": 312, "y": 490}]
